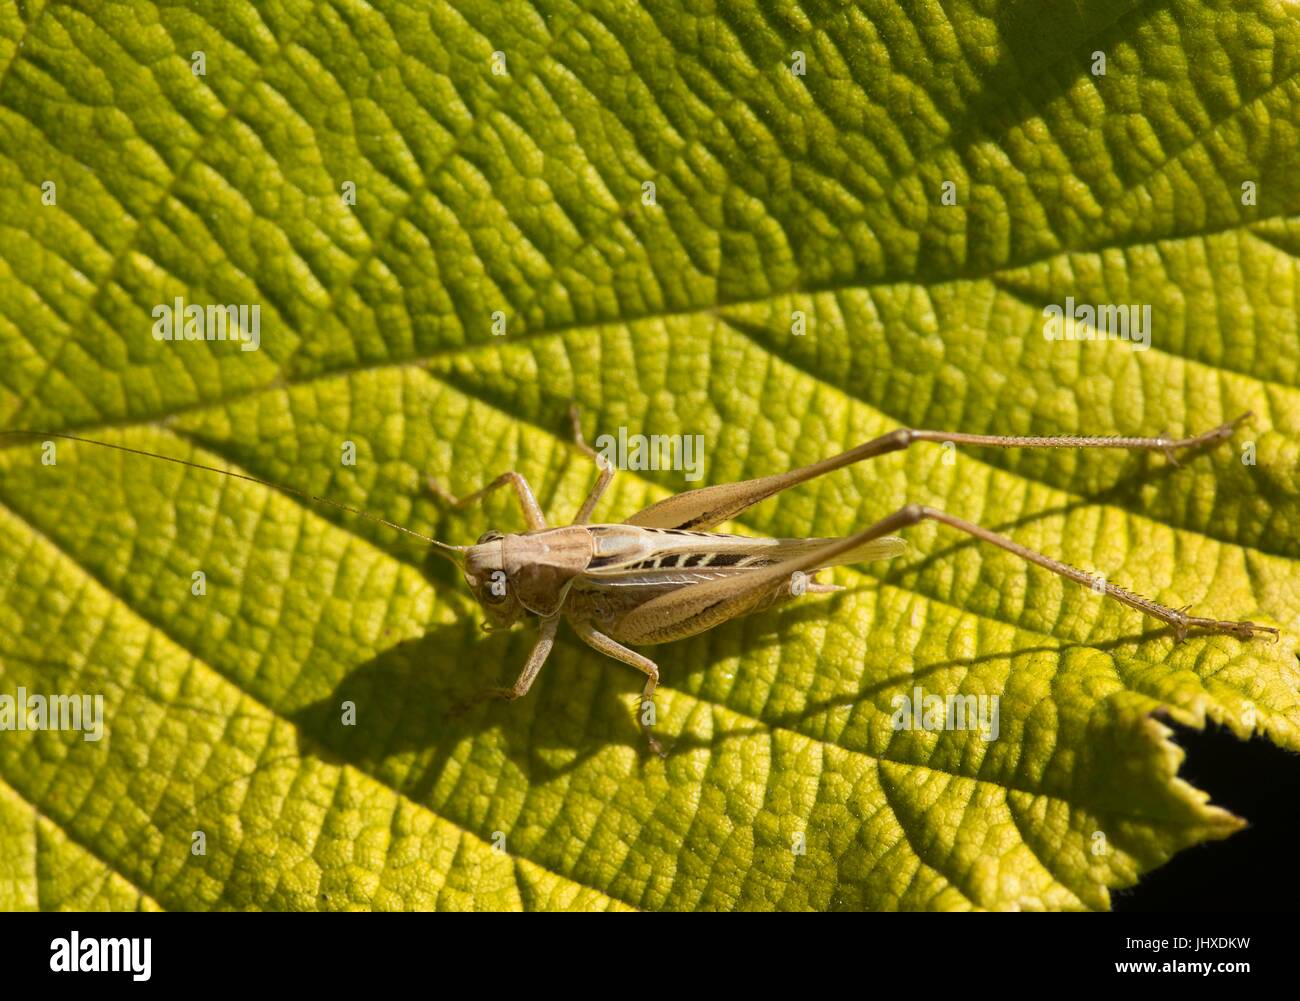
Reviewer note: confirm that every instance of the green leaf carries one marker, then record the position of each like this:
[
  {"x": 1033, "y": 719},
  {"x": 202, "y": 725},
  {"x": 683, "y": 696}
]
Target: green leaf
[{"x": 523, "y": 193}]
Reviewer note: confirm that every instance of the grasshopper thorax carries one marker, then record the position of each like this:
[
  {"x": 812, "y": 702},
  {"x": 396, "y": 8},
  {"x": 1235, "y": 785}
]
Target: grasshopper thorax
[
  {"x": 486, "y": 577},
  {"x": 530, "y": 572}
]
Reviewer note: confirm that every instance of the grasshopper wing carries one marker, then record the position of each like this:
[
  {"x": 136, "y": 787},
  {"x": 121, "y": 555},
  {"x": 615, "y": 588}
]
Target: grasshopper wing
[{"x": 683, "y": 601}]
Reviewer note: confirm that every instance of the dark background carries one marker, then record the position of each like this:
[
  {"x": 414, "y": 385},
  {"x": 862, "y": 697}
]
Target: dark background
[{"x": 1255, "y": 869}]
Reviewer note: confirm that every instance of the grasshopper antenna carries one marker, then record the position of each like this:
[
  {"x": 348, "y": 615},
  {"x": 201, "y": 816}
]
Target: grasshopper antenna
[{"x": 454, "y": 553}]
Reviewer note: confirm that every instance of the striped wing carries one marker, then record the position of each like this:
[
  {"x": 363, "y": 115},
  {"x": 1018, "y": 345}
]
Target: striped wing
[
  {"x": 633, "y": 587},
  {"x": 679, "y": 559}
]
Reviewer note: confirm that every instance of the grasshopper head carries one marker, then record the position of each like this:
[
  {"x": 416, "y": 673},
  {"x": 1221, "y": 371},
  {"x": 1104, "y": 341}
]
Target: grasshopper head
[
  {"x": 486, "y": 576},
  {"x": 531, "y": 573}
]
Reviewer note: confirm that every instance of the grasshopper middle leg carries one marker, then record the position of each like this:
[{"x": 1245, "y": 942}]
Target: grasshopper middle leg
[{"x": 599, "y": 641}]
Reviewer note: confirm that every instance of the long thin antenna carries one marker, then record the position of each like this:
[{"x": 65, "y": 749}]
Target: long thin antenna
[{"x": 442, "y": 546}]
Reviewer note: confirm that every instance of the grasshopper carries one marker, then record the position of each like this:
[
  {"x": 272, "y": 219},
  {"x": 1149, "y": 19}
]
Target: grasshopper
[{"x": 664, "y": 574}]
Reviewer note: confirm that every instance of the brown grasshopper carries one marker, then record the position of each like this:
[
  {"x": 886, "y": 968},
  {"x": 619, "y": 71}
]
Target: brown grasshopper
[{"x": 663, "y": 575}]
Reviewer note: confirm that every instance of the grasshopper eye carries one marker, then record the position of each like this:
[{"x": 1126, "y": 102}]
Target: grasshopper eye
[
  {"x": 491, "y": 535},
  {"x": 493, "y": 589}
]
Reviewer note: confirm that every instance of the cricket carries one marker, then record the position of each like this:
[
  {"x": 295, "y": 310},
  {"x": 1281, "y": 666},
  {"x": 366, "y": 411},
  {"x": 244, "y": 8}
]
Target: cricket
[{"x": 663, "y": 574}]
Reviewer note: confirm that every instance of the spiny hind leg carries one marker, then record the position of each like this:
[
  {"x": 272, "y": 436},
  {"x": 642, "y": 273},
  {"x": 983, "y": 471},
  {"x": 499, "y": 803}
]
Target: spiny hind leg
[
  {"x": 1177, "y": 618},
  {"x": 527, "y": 502},
  {"x": 1159, "y": 443},
  {"x": 610, "y": 648},
  {"x": 706, "y": 507},
  {"x": 606, "y": 470}
]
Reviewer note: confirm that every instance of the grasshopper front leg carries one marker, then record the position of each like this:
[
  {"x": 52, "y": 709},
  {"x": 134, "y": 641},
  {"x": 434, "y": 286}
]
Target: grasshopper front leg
[
  {"x": 527, "y": 502},
  {"x": 532, "y": 511},
  {"x": 536, "y": 658}
]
